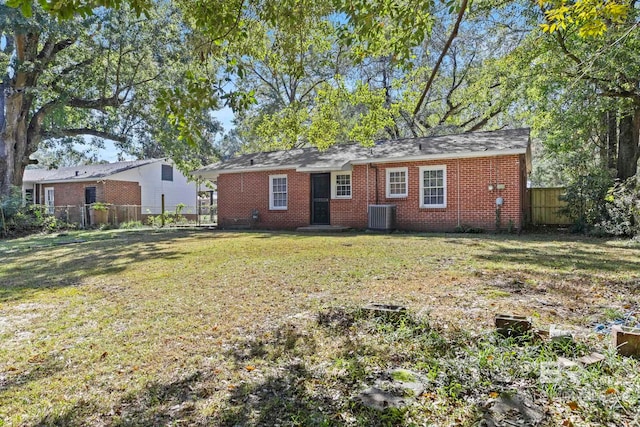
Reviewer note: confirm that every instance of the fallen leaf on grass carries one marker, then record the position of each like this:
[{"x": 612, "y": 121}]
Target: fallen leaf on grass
[
  {"x": 250, "y": 368},
  {"x": 494, "y": 394},
  {"x": 573, "y": 405},
  {"x": 610, "y": 390},
  {"x": 36, "y": 359},
  {"x": 567, "y": 423},
  {"x": 103, "y": 355}
]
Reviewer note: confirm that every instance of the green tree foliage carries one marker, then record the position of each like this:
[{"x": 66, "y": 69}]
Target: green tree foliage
[
  {"x": 583, "y": 95},
  {"x": 335, "y": 70},
  {"x": 98, "y": 76},
  {"x": 591, "y": 18}
]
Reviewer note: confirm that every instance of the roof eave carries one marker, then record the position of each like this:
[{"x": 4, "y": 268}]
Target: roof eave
[
  {"x": 215, "y": 172},
  {"x": 316, "y": 169},
  {"x": 65, "y": 180},
  {"x": 442, "y": 156}
]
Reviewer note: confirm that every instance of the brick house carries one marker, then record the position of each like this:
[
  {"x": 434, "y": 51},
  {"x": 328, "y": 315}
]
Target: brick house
[
  {"x": 440, "y": 183},
  {"x": 134, "y": 190}
]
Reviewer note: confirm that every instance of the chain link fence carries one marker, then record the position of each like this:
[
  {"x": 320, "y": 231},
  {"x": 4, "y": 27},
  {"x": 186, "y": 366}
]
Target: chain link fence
[{"x": 100, "y": 214}]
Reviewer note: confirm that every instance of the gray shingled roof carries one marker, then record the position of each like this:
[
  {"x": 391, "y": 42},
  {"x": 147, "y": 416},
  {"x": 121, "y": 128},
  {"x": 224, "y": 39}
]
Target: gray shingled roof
[
  {"x": 339, "y": 157},
  {"x": 82, "y": 173}
]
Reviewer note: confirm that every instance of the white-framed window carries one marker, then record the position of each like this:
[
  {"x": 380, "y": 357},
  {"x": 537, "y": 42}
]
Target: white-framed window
[
  {"x": 278, "y": 192},
  {"x": 49, "y": 200},
  {"x": 397, "y": 182},
  {"x": 341, "y": 187},
  {"x": 433, "y": 186}
]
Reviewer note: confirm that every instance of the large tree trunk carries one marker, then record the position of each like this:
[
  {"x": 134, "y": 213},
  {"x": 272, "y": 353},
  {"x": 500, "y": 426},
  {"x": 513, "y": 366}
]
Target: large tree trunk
[
  {"x": 628, "y": 148},
  {"x": 3, "y": 161},
  {"x": 612, "y": 139},
  {"x": 14, "y": 155},
  {"x": 608, "y": 140},
  {"x": 16, "y": 143}
]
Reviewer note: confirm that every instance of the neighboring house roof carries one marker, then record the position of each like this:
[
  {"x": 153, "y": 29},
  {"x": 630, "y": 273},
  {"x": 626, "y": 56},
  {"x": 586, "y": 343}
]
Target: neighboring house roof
[
  {"x": 342, "y": 157},
  {"x": 83, "y": 173}
]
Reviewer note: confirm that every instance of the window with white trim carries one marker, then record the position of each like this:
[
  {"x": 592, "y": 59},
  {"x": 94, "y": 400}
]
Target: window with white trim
[
  {"x": 397, "y": 182},
  {"x": 278, "y": 192},
  {"x": 341, "y": 185},
  {"x": 433, "y": 186}
]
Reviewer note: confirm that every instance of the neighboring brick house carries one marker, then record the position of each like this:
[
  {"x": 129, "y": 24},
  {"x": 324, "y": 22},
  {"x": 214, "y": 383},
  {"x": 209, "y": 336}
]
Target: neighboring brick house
[
  {"x": 440, "y": 183},
  {"x": 134, "y": 189}
]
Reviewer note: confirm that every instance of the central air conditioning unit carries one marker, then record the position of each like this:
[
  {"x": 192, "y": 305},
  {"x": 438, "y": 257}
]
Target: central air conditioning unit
[{"x": 382, "y": 217}]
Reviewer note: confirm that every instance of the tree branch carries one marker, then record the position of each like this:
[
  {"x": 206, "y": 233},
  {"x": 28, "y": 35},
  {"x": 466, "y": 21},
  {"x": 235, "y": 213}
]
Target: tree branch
[
  {"x": 94, "y": 104},
  {"x": 35, "y": 124},
  {"x": 68, "y": 70},
  {"x": 482, "y": 122},
  {"x": 268, "y": 83},
  {"x": 565, "y": 49},
  {"x": 313, "y": 86},
  {"x": 51, "y": 49},
  {"x": 59, "y": 133},
  {"x": 445, "y": 49}
]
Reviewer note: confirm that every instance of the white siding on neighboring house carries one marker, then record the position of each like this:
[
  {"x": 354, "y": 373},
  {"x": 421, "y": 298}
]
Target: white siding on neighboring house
[{"x": 153, "y": 187}]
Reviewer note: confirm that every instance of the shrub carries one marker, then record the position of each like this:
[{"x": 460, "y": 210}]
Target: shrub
[
  {"x": 131, "y": 224},
  {"x": 623, "y": 209},
  {"x": 17, "y": 219},
  {"x": 464, "y": 228},
  {"x": 12, "y": 214},
  {"x": 166, "y": 218},
  {"x": 586, "y": 204}
]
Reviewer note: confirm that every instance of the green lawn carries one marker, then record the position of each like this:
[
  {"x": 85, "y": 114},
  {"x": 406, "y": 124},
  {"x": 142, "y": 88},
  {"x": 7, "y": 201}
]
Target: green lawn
[{"x": 221, "y": 328}]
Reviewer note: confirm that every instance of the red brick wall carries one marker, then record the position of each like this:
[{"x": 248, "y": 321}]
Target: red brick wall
[
  {"x": 72, "y": 193},
  {"x": 122, "y": 193},
  {"x": 469, "y": 200},
  {"x": 240, "y": 193},
  {"x": 353, "y": 212},
  {"x": 112, "y": 192}
]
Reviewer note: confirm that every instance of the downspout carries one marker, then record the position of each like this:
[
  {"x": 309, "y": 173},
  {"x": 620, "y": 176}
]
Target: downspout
[
  {"x": 368, "y": 188},
  {"x": 458, "y": 190},
  {"x": 376, "y": 182},
  {"x": 197, "y": 209}
]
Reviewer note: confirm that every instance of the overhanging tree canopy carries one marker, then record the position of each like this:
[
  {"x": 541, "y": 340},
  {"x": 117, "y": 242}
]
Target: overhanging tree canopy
[{"x": 97, "y": 76}]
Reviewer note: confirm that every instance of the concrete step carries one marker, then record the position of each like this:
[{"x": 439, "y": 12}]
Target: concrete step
[{"x": 323, "y": 229}]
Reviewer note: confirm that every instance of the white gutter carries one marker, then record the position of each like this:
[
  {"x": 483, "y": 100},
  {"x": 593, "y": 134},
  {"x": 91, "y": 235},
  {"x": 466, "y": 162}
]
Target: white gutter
[
  {"x": 467, "y": 155},
  {"x": 215, "y": 172},
  {"x": 68, "y": 180},
  {"x": 345, "y": 167}
]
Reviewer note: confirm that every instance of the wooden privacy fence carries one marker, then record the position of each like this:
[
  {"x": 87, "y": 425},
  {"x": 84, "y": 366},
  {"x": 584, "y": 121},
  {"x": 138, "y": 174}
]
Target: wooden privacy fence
[{"x": 545, "y": 206}]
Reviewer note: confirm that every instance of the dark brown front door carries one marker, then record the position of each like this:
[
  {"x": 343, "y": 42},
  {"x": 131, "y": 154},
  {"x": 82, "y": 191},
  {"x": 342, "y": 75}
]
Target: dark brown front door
[{"x": 320, "y": 194}]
